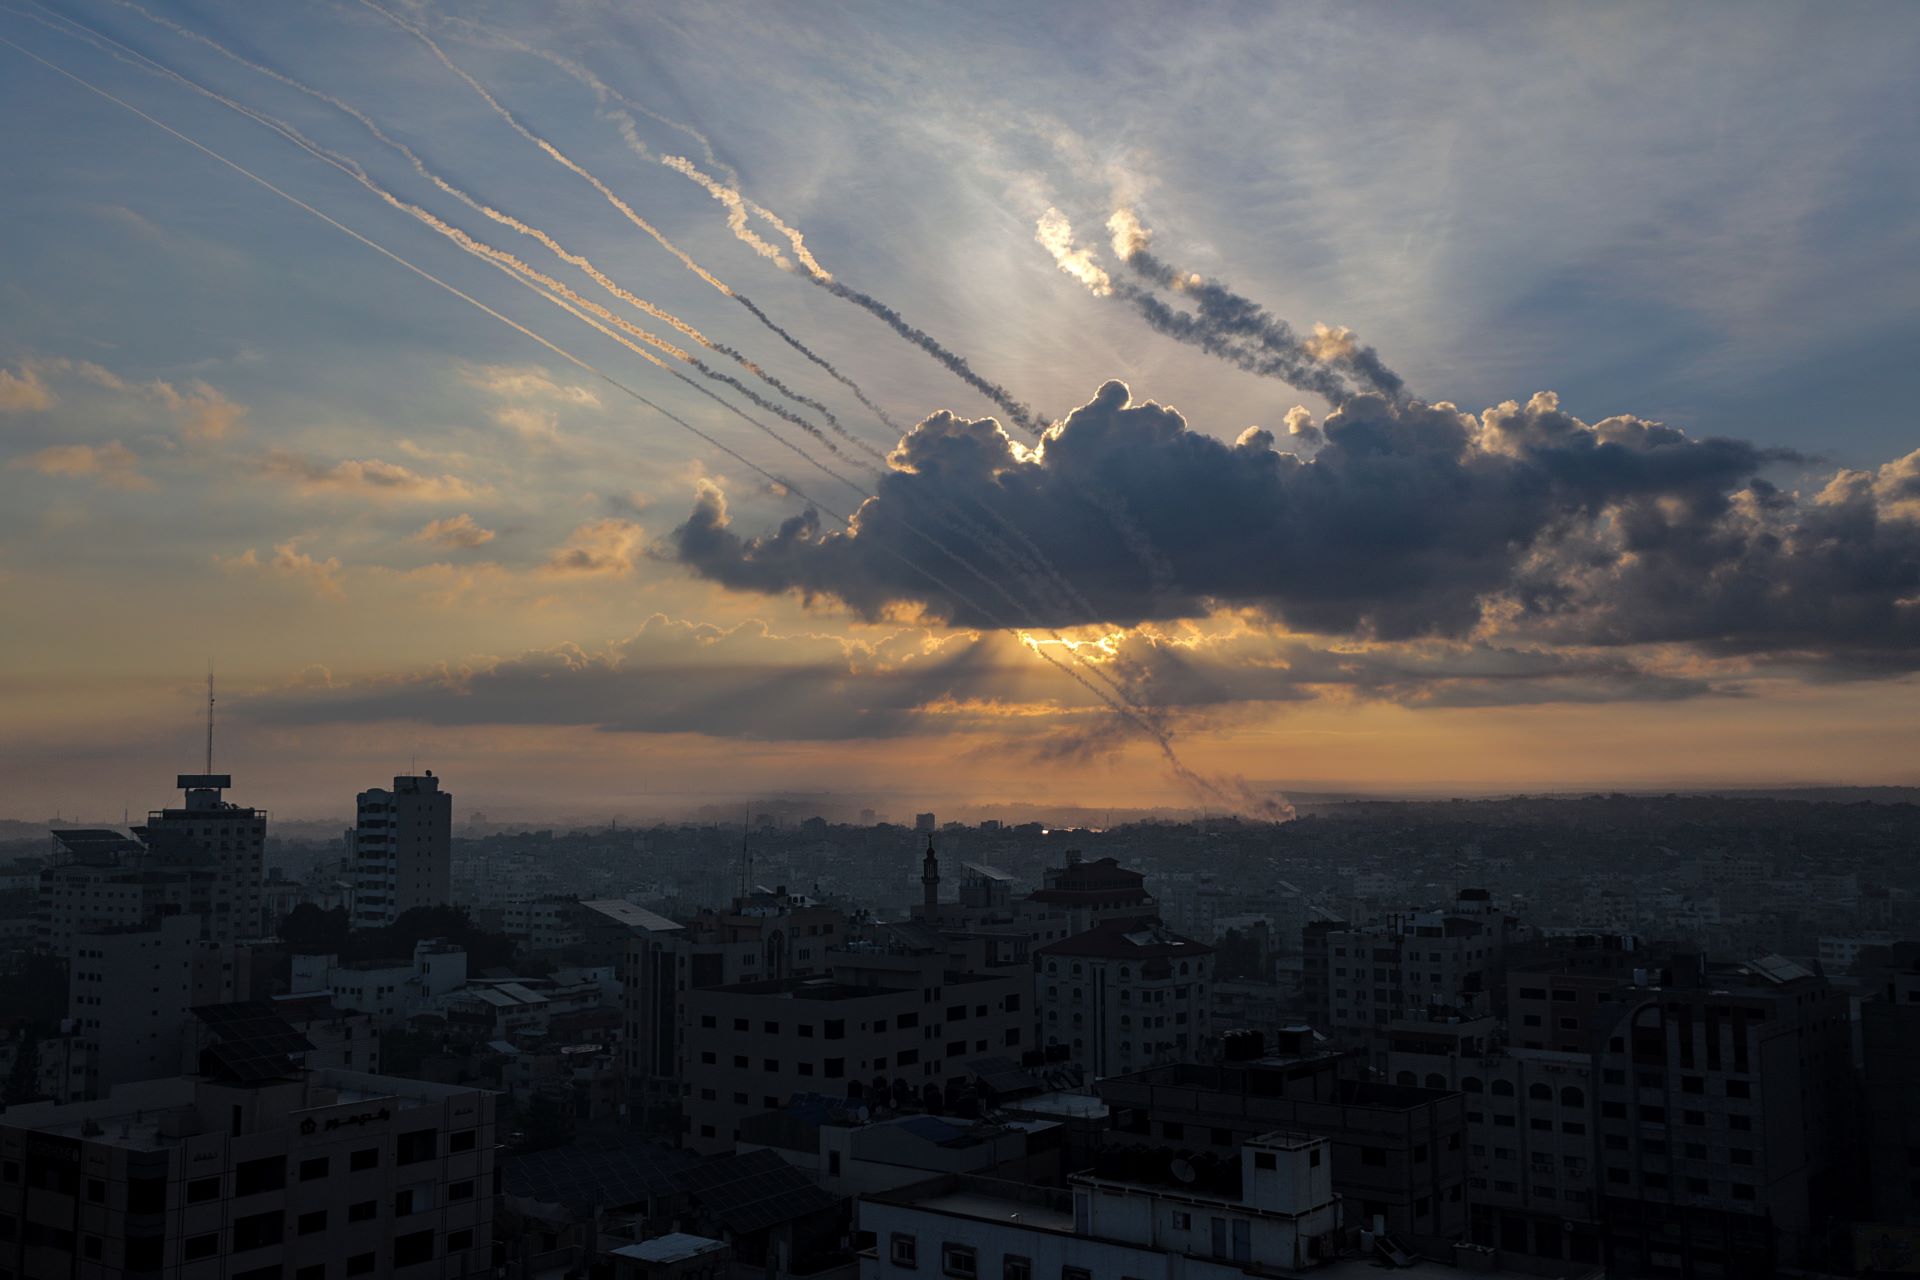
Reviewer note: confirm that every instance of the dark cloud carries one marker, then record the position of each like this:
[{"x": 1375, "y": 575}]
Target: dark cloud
[
  {"x": 745, "y": 682},
  {"x": 1411, "y": 520}
]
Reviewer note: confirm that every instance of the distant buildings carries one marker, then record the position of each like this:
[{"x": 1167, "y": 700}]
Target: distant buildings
[
  {"x": 401, "y": 850},
  {"x": 923, "y": 823}
]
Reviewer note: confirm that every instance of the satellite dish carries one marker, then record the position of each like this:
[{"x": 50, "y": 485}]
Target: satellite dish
[{"x": 1183, "y": 1170}]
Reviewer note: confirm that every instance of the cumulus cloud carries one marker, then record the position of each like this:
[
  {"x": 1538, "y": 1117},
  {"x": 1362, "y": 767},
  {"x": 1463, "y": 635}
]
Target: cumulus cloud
[
  {"x": 24, "y": 392},
  {"x": 541, "y": 426},
  {"x": 368, "y": 477},
  {"x": 288, "y": 561},
  {"x": 459, "y": 532},
  {"x": 111, "y": 464},
  {"x": 1411, "y": 520},
  {"x": 608, "y": 547}
]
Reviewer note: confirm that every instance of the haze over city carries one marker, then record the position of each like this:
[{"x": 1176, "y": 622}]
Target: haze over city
[{"x": 1480, "y": 399}]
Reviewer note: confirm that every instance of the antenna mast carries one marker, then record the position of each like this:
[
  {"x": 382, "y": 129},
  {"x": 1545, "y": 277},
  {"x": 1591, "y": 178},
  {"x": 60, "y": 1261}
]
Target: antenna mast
[
  {"x": 209, "y": 715},
  {"x": 746, "y": 855}
]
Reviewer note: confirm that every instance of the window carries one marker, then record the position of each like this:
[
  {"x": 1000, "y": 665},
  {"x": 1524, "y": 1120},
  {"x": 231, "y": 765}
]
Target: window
[
  {"x": 312, "y": 1223},
  {"x": 462, "y": 1141},
  {"x": 1739, "y": 1089},
  {"x": 462, "y": 1190},
  {"x": 1373, "y": 1156},
  {"x": 959, "y": 1260},
  {"x": 412, "y": 1148},
  {"x": 317, "y": 1271},
  {"x": 459, "y": 1240},
  {"x": 258, "y": 1230},
  {"x": 198, "y": 1247},
  {"x": 1182, "y": 1221},
  {"x": 253, "y": 1176},
  {"x": 1014, "y": 1267},
  {"x": 1265, "y": 1160},
  {"x": 413, "y": 1248},
  {"x": 144, "y": 1195},
  {"x": 903, "y": 1250},
  {"x": 365, "y": 1211},
  {"x": 1075, "y": 1273},
  {"x": 201, "y": 1190},
  {"x": 365, "y": 1158},
  {"x": 361, "y": 1264}
]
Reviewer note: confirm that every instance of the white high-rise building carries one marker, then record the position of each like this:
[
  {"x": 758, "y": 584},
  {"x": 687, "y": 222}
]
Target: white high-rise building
[{"x": 401, "y": 850}]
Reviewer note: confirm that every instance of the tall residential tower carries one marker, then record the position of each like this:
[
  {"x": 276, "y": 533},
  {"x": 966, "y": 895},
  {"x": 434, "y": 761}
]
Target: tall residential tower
[{"x": 401, "y": 850}]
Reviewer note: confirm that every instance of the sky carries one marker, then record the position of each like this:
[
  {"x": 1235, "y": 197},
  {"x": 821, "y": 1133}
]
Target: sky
[{"x": 615, "y": 406}]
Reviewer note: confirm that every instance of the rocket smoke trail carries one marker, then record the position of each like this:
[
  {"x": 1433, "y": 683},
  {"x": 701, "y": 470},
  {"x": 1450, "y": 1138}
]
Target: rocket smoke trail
[
  {"x": 1017, "y": 412},
  {"x": 1222, "y": 311},
  {"x": 556, "y": 291},
  {"x": 955, "y": 517},
  {"x": 506, "y": 262},
  {"x": 729, "y": 191},
  {"x": 1224, "y": 324},
  {"x": 626, "y": 210},
  {"x": 1128, "y": 712},
  {"x": 420, "y": 167}
]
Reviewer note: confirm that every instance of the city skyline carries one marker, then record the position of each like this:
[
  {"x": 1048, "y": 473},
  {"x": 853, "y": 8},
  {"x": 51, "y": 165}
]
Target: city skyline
[{"x": 1567, "y": 446}]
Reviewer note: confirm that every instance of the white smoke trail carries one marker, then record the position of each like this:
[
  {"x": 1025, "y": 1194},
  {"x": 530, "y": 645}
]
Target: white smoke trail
[{"x": 502, "y": 261}]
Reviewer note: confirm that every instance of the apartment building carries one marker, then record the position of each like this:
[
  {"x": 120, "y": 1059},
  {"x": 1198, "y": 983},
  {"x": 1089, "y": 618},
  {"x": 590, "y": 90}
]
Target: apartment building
[
  {"x": 1532, "y": 1145},
  {"x": 1398, "y": 1151},
  {"x": 1273, "y": 1210},
  {"x": 1124, "y": 995},
  {"x": 401, "y": 850},
  {"x": 764, "y": 935},
  {"x": 1890, "y": 1044},
  {"x": 1724, "y": 1109},
  {"x": 225, "y": 842},
  {"x": 1361, "y": 979},
  {"x": 895, "y": 1022},
  {"x": 131, "y": 991},
  {"x": 305, "y": 1175}
]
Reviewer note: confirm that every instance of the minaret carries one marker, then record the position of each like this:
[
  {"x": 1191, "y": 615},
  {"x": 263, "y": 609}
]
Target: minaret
[{"x": 930, "y": 881}]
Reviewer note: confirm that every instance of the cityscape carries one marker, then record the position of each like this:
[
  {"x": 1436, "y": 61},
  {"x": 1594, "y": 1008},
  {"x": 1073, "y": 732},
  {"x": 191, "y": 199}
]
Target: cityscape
[{"x": 707, "y": 640}]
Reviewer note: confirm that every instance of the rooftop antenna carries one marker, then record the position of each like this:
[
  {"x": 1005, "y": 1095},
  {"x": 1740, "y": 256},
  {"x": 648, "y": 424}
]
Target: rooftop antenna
[
  {"x": 209, "y": 715},
  {"x": 746, "y": 854}
]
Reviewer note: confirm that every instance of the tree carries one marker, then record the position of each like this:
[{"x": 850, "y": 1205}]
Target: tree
[{"x": 311, "y": 931}]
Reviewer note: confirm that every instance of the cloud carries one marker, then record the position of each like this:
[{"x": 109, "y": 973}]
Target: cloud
[
  {"x": 111, "y": 464},
  {"x": 369, "y": 477},
  {"x": 676, "y": 676},
  {"x": 288, "y": 561},
  {"x": 529, "y": 423},
  {"x": 24, "y": 392},
  {"x": 459, "y": 532},
  {"x": 1410, "y": 521},
  {"x": 200, "y": 412},
  {"x": 608, "y": 547},
  {"x": 529, "y": 382},
  {"x": 748, "y": 682},
  {"x": 205, "y": 414}
]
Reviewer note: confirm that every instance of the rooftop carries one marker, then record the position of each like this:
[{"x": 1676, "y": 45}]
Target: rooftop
[{"x": 1128, "y": 939}]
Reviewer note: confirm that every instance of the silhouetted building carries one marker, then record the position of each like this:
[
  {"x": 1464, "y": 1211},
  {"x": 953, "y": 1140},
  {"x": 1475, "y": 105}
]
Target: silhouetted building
[{"x": 401, "y": 849}]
